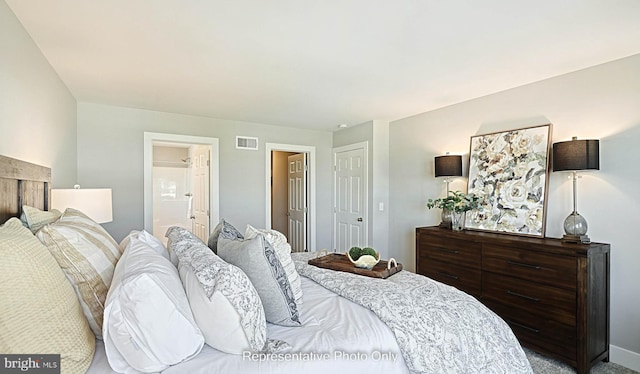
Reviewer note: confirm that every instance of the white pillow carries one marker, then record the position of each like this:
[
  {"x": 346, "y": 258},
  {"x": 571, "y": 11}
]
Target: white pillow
[
  {"x": 225, "y": 304},
  {"x": 148, "y": 239},
  {"x": 283, "y": 251},
  {"x": 148, "y": 324}
]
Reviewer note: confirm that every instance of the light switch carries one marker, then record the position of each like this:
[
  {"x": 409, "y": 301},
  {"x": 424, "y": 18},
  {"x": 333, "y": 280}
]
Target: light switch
[{"x": 381, "y": 207}]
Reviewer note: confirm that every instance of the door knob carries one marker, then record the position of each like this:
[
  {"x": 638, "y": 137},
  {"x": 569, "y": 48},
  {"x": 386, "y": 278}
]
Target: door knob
[{"x": 359, "y": 219}]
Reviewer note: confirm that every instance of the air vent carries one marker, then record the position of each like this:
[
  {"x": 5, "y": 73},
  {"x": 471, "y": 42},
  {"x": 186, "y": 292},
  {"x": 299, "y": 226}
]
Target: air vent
[{"x": 246, "y": 142}]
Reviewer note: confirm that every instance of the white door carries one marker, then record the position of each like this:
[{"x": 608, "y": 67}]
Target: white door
[
  {"x": 350, "y": 189},
  {"x": 297, "y": 211},
  {"x": 200, "y": 156}
]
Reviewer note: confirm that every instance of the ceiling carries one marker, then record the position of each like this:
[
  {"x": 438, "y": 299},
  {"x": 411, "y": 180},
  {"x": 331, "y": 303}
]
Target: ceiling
[{"x": 317, "y": 64}]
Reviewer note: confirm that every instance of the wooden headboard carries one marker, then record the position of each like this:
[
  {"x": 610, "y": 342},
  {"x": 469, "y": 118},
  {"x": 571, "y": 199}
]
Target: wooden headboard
[{"x": 22, "y": 183}]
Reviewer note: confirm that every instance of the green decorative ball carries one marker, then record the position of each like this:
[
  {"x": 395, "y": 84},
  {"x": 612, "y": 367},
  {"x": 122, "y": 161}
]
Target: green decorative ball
[
  {"x": 355, "y": 253},
  {"x": 369, "y": 251}
]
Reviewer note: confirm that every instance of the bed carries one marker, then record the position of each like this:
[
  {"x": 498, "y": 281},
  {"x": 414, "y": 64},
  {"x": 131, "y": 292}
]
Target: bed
[{"x": 348, "y": 323}]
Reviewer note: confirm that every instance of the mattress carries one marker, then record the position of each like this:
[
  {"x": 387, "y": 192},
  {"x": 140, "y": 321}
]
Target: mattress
[{"x": 337, "y": 336}]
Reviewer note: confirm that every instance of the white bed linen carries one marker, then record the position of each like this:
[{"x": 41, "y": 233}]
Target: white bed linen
[{"x": 352, "y": 338}]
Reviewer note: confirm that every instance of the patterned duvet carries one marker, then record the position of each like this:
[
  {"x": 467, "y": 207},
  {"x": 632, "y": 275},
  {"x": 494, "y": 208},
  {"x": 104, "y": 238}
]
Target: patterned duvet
[{"x": 439, "y": 329}]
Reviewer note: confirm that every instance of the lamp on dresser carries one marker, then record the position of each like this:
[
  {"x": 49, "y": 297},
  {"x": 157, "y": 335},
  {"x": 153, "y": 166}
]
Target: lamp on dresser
[
  {"x": 447, "y": 166},
  {"x": 576, "y": 155},
  {"x": 96, "y": 203}
]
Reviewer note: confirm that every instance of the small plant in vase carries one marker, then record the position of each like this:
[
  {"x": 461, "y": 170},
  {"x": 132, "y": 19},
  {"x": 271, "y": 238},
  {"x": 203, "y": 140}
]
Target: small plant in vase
[{"x": 457, "y": 203}]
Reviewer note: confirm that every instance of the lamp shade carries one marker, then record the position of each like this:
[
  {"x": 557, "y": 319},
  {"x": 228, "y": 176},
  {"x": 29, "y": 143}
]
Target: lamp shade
[
  {"x": 448, "y": 166},
  {"x": 94, "y": 202},
  {"x": 576, "y": 154}
]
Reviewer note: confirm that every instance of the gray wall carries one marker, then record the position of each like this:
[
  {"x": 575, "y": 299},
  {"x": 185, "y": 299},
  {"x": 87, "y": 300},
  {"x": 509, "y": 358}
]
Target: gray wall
[
  {"x": 110, "y": 154},
  {"x": 37, "y": 111},
  {"x": 376, "y": 133},
  {"x": 602, "y": 102}
]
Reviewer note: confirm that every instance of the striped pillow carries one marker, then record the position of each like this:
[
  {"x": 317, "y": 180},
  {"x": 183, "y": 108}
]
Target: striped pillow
[
  {"x": 87, "y": 254},
  {"x": 39, "y": 312}
]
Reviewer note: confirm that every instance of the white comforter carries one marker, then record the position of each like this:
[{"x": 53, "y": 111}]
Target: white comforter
[
  {"x": 430, "y": 328},
  {"x": 337, "y": 336}
]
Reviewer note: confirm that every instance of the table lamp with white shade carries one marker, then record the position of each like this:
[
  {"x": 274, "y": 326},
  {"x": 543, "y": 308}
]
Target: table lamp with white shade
[{"x": 96, "y": 203}]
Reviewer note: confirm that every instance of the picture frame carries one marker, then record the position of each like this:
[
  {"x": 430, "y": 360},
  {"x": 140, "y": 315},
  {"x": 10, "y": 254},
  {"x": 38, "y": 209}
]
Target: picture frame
[{"x": 509, "y": 170}]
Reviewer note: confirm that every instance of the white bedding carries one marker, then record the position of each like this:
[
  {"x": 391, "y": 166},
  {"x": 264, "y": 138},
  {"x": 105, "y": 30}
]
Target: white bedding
[{"x": 337, "y": 336}]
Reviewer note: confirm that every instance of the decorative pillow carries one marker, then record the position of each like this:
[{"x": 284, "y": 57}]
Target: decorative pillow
[
  {"x": 257, "y": 258},
  {"x": 283, "y": 250},
  {"x": 39, "y": 312},
  {"x": 222, "y": 227},
  {"x": 35, "y": 219},
  {"x": 225, "y": 304},
  {"x": 148, "y": 324},
  {"x": 87, "y": 254}
]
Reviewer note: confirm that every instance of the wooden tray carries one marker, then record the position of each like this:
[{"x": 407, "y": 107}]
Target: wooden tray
[{"x": 340, "y": 262}]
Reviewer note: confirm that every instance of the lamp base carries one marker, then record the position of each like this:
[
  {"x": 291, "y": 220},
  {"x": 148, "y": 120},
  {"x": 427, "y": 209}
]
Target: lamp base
[
  {"x": 446, "y": 219},
  {"x": 580, "y": 239}
]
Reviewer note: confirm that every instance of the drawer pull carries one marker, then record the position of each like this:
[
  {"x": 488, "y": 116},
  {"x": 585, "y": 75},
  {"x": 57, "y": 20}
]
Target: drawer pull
[
  {"x": 448, "y": 275},
  {"x": 536, "y": 267},
  {"x": 523, "y": 296},
  {"x": 447, "y": 250},
  {"x": 523, "y": 326}
]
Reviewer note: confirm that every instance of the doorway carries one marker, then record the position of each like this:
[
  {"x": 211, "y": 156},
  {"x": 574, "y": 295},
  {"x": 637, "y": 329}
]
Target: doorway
[
  {"x": 350, "y": 191},
  {"x": 180, "y": 184},
  {"x": 280, "y": 191},
  {"x": 290, "y": 193}
]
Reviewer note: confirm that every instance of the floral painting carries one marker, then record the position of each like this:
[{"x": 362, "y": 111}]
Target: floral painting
[{"x": 509, "y": 171}]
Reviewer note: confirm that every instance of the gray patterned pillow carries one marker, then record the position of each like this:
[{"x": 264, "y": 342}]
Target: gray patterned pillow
[
  {"x": 219, "y": 282},
  {"x": 257, "y": 258},
  {"x": 222, "y": 227}
]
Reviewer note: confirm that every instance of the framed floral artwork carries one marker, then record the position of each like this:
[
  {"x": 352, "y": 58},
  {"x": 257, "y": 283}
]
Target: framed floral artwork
[{"x": 509, "y": 171}]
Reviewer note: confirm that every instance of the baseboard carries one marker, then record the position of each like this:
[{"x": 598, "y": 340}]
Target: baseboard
[{"x": 624, "y": 357}]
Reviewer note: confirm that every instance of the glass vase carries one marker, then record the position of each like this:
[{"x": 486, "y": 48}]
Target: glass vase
[
  {"x": 457, "y": 220},
  {"x": 446, "y": 218}
]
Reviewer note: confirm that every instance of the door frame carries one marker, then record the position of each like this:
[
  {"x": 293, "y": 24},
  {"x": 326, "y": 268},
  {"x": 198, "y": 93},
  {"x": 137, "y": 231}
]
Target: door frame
[
  {"x": 334, "y": 152},
  {"x": 214, "y": 169},
  {"x": 311, "y": 215}
]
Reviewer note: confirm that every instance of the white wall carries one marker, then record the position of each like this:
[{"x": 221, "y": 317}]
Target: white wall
[
  {"x": 602, "y": 102},
  {"x": 110, "y": 154},
  {"x": 37, "y": 111}
]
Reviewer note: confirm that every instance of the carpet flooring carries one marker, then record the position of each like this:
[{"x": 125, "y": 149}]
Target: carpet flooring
[{"x": 545, "y": 365}]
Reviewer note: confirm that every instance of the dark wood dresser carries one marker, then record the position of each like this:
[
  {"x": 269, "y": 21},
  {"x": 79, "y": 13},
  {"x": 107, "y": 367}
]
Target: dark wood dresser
[{"x": 554, "y": 295}]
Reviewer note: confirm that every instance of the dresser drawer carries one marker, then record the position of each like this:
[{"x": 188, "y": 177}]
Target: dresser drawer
[
  {"x": 460, "y": 252},
  {"x": 557, "y": 270},
  {"x": 534, "y": 298},
  {"x": 460, "y": 277},
  {"x": 542, "y": 334}
]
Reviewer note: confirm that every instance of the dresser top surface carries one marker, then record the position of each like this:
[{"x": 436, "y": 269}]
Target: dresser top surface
[{"x": 546, "y": 244}]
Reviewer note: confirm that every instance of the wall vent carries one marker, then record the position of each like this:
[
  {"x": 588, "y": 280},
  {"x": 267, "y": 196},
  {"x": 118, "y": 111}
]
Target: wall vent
[{"x": 246, "y": 142}]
